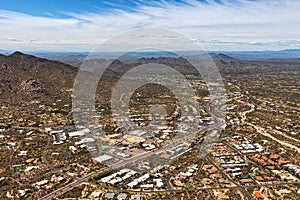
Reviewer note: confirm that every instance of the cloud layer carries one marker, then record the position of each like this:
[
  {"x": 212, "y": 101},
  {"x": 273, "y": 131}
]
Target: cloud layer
[{"x": 222, "y": 25}]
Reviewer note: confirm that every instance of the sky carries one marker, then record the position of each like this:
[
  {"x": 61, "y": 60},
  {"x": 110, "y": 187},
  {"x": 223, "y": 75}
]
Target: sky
[{"x": 217, "y": 25}]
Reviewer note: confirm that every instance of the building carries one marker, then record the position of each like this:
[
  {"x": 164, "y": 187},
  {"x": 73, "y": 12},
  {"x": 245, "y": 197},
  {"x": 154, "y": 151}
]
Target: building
[
  {"x": 258, "y": 195},
  {"x": 147, "y": 186},
  {"x": 73, "y": 149},
  {"x": 158, "y": 182},
  {"x": 96, "y": 194},
  {"x": 109, "y": 196},
  {"x": 259, "y": 178},
  {"x": 136, "y": 197},
  {"x": 76, "y": 134},
  {"x": 122, "y": 196},
  {"x": 137, "y": 133},
  {"x": 246, "y": 180},
  {"x": 138, "y": 180},
  {"x": 104, "y": 158}
]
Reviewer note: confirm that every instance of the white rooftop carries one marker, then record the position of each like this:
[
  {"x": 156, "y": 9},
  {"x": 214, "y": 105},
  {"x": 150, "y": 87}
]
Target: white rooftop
[{"x": 103, "y": 158}]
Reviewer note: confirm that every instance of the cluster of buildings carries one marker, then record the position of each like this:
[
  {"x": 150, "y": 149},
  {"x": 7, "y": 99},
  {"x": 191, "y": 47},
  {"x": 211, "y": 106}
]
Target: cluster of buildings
[
  {"x": 117, "y": 178},
  {"x": 48, "y": 184},
  {"x": 213, "y": 175},
  {"x": 269, "y": 160},
  {"x": 191, "y": 170},
  {"x": 244, "y": 145},
  {"x": 139, "y": 180},
  {"x": 121, "y": 196},
  {"x": 235, "y": 164},
  {"x": 130, "y": 179},
  {"x": 97, "y": 194}
]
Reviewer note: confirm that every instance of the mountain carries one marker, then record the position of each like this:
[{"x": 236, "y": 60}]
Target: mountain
[
  {"x": 261, "y": 55},
  {"x": 223, "y": 57},
  {"x": 25, "y": 76},
  {"x": 5, "y": 52}
]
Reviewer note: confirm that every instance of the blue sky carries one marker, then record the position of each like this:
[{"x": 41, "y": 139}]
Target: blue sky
[
  {"x": 79, "y": 25},
  {"x": 59, "y": 8}
]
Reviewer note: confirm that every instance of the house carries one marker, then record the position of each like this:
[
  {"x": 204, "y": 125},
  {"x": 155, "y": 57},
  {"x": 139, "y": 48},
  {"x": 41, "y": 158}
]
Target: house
[
  {"x": 122, "y": 196},
  {"x": 96, "y": 194},
  {"x": 284, "y": 191},
  {"x": 181, "y": 176},
  {"x": 282, "y": 161},
  {"x": 58, "y": 179},
  {"x": 259, "y": 178},
  {"x": 258, "y": 195},
  {"x": 136, "y": 197},
  {"x": 28, "y": 169},
  {"x": 76, "y": 134},
  {"x": 137, "y": 133},
  {"x": 73, "y": 149},
  {"x": 22, "y": 193},
  {"x": 115, "y": 180},
  {"x": 109, "y": 195},
  {"x": 212, "y": 170},
  {"x": 147, "y": 186},
  {"x": 178, "y": 183},
  {"x": 236, "y": 174},
  {"x": 41, "y": 183},
  {"x": 268, "y": 178},
  {"x": 22, "y": 153},
  {"x": 217, "y": 176},
  {"x": 148, "y": 146},
  {"x": 158, "y": 182},
  {"x": 274, "y": 156},
  {"x": 246, "y": 180}
]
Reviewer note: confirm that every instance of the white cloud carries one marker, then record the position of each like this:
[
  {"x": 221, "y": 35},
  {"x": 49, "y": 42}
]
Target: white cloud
[{"x": 232, "y": 24}]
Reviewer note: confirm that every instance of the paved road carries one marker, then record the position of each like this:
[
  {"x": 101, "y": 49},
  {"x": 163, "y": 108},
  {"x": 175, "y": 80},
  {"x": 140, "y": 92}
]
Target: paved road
[{"x": 72, "y": 185}]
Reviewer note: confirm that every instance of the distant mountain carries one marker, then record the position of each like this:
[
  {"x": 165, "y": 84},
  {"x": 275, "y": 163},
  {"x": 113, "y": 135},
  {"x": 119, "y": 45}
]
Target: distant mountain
[
  {"x": 76, "y": 59},
  {"x": 223, "y": 57},
  {"x": 68, "y": 58},
  {"x": 5, "y": 52},
  {"x": 258, "y": 55}
]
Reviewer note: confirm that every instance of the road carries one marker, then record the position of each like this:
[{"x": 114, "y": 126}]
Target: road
[
  {"x": 264, "y": 132},
  {"x": 72, "y": 185}
]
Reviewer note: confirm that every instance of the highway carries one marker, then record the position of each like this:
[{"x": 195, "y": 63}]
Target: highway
[{"x": 72, "y": 185}]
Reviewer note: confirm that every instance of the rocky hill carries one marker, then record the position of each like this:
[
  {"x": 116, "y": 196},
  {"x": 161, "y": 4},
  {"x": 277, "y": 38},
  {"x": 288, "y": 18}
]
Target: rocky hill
[{"x": 27, "y": 77}]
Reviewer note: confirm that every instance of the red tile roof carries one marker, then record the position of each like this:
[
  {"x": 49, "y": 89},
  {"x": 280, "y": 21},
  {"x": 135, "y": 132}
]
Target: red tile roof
[{"x": 258, "y": 195}]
